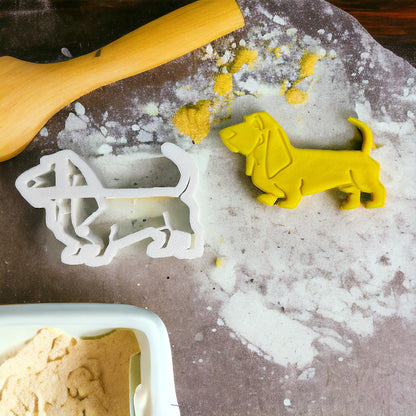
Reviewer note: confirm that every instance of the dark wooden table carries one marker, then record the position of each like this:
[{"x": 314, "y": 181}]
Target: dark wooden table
[{"x": 391, "y": 22}]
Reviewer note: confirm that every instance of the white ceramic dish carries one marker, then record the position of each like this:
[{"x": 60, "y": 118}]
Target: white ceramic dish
[{"x": 155, "y": 395}]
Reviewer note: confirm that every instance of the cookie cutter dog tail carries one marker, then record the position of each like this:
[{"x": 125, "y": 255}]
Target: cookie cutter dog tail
[
  {"x": 38, "y": 91},
  {"x": 76, "y": 202}
]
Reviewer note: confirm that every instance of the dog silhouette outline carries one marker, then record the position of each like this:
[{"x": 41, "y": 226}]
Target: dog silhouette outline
[
  {"x": 286, "y": 174},
  {"x": 74, "y": 199}
]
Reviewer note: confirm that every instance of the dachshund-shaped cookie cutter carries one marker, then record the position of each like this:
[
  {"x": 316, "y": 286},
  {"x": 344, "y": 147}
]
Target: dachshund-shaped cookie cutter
[
  {"x": 77, "y": 205},
  {"x": 286, "y": 174}
]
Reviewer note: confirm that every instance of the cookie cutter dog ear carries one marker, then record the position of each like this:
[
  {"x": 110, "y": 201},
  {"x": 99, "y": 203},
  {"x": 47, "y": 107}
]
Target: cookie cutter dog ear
[
  {"x": 286, "y": 174},
  {"x": 77, "y": 209}
]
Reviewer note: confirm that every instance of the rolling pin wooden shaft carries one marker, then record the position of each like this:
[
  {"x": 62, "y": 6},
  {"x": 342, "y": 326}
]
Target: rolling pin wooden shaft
[{"x": 30, "y": 94}]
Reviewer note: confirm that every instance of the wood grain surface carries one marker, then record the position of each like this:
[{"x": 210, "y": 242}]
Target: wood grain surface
[{"x": 391, "y": 22}]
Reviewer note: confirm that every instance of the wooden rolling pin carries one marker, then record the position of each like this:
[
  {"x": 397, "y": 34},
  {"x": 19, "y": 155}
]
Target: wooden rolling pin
[{"x": 30, "y": 94}]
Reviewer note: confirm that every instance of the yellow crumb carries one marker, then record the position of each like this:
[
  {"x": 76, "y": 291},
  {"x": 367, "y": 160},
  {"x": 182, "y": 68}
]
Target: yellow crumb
[
  {"x": 223, "y": 84},
  {"x": 283, "y": 88},
  {"x": 307, "y": 64},
  {"x": 219, "y": 262},
  {"x": 242, "y": 57},
  {"x": 277, "y": 52},
  {"x": 296, "y": 96},
  {"x": 307, "y": 68},
  {"x": 193, "y": 120}
]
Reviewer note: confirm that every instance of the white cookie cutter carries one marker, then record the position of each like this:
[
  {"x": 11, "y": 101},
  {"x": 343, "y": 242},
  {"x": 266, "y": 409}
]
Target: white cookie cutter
[{"x": 75, "y": 199}]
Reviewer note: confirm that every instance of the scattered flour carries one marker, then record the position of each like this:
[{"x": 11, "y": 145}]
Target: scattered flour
[
  {"x": 79, "y": 109},
  {"x": 74, "y": 123},
  {"x": 255, "y": 321},
  {"x": 287, "y": 402},
  {"x": 293, "y": 284},
  {"x": 307, "y": 374},
  {"x": 151, "y": 109},
  {"x": 104, "y": 149},
  {"x": 66, "y": 52}
]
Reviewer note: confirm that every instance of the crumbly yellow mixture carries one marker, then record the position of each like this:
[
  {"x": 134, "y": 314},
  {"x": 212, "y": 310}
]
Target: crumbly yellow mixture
[
  {"x": 307, "y": 64},
  {"x": 223, "y": 84},
  {"x": 56, "y": 374},
  {"x": 295, "y": 96},
  {"x": 242, "y": 57},
  {"x": 193, "y": 120},
  {"x": 307, "y": 68}
]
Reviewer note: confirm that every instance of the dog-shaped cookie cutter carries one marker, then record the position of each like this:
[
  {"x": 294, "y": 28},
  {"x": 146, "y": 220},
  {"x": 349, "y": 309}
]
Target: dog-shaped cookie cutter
[
  {"x": 75, "y": 201},
  {"x": 286, "y": 174}
]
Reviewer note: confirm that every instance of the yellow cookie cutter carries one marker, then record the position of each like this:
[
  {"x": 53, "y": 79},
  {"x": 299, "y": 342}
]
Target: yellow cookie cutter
[{"x": 286, "y": 174}]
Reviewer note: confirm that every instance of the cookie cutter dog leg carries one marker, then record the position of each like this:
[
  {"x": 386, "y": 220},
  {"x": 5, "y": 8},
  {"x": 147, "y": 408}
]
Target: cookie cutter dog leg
[{"x": 75, "y": 199}]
